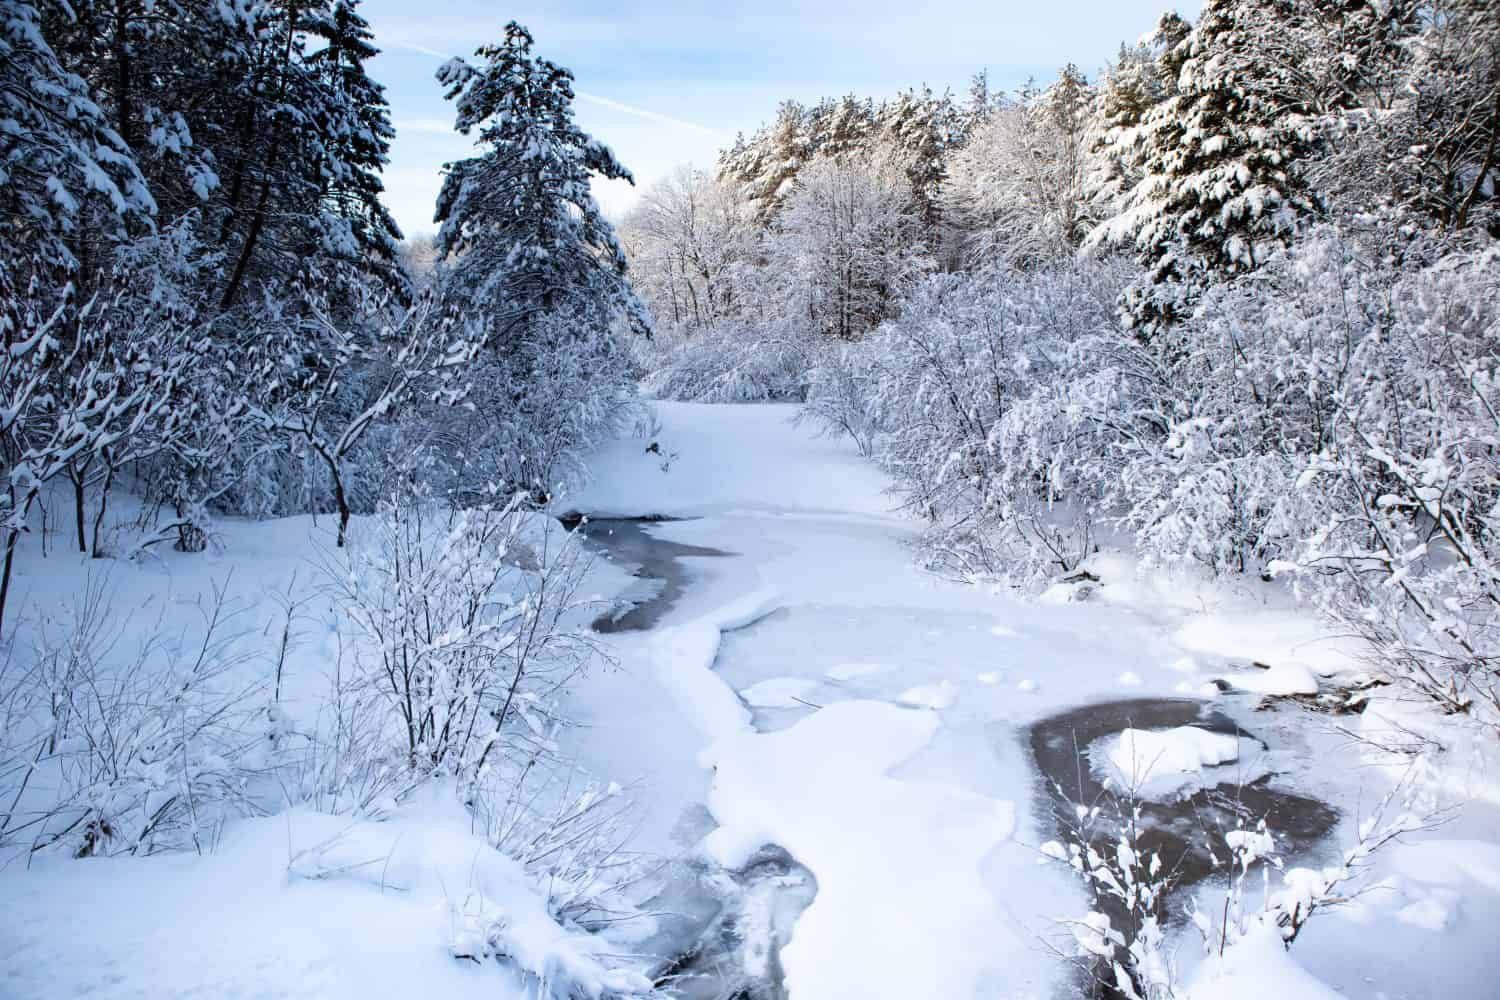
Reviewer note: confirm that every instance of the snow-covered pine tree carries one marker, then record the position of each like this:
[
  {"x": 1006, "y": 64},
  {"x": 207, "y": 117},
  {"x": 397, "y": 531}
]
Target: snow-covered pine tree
[
  {"x": 766, "y": 165},
  {"x": 981, "y": 104},
  {"x": 916, "y": 125},
  {"x": 842, "y": 127},
  {"x": 519, "y": 217},
  {"x": 1066, "y": 109},
  {"x": 1142, "y": 76},
  {"x": 535, "y": 262},
  {"x": 353, "y": 218},
  {"x": 1221, "y": 181},
  {"x": 301, "y": 148},
  {"x": 160, "y": 70},
  {"x": 68, "y": 182}
]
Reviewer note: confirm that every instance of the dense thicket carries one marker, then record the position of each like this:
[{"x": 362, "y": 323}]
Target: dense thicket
[
  {"x": 201, "y": 290},
  {"x": 1232, "y": 302}
]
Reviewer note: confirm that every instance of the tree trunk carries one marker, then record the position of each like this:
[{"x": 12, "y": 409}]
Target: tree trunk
[
  {"x": 109, "y": 481},
  {"x": 76, "y": 476},
  {"x": 10, "y": 558}
]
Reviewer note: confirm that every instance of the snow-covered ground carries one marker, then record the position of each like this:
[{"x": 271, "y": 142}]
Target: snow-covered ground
[{"x": 813, "y": 689}]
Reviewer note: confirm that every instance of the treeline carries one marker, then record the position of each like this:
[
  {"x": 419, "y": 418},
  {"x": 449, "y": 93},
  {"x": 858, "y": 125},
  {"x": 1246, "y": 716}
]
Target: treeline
[
  {"x": 1234, "y": 304},
  {"x": 202, "y": 293},
  {"x": 1198, "y": 152}
]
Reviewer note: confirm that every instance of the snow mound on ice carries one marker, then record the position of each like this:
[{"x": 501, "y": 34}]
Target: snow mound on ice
[
  {"x": 1256, "y": 967},
  {"x": 315, "y": 905},
  {"x": 935, "y": 696},
  {"x": 1286, "y": 678},
  {"x": 779, "y": 692},
  {"x": 1136, "y": 756}
]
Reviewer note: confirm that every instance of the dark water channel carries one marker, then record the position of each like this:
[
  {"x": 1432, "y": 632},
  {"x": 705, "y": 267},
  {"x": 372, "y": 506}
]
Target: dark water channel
[
  {"x": 655, "y": 562},
  {"x": 720, "y": 932},
  {"x": 736, "y": 923}
]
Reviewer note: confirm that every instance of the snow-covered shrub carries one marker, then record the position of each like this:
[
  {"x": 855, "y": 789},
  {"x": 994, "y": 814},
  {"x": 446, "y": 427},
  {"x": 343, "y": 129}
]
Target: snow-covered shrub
[
  {"x": 1124, "y": 941},
  {"x": 839, "y": 397},
  {"x": 1002, "y": 401},
  {"x": 730, "y": 363},
  {"x": 109, "y": 749},
  {"x": 1252, "y": 385},
  {"x": 459, "y": 631},
  {"x": 323, "y": 380},
  {"x": 93, "y": 387},
  {"x": 1405, "y": 549}
]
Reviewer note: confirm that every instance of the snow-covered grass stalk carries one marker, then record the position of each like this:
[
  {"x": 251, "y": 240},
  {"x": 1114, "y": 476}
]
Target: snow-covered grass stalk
[
  {"x": 1124, "y": 941},
  {"x": 569, "y": 831}
]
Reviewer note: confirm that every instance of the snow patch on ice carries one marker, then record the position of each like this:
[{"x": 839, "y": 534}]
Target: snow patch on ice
[
  {"x": 821, "y": 789},
  {"x": 1286, "y": 678},
  {"x": 779, "y": 692},
  {"x": 683, "y": 657},
  {"x": 851, "y": 671},
  {"x": 935, "y": 696},
  {"x": 1269, "y": 636}
]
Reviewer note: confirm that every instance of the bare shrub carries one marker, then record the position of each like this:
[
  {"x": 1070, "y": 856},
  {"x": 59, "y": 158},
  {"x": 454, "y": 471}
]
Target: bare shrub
[{"x": 133, "y": 753}]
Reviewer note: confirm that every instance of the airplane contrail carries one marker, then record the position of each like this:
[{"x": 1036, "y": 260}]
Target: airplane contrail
[
  {"x": 655, "y": 116},
  {"x": 583, "y": 95}
]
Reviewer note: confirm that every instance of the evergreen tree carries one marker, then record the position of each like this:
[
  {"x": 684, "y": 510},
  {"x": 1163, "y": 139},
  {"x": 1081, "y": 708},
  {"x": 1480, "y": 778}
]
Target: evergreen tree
[
  {"x": 915, "y": 124},
  {"x": 843, "y": 127},
  {"x": 305, "y": 135},
  {"x": 1220, "y": 181},
  {"x": 69, "y": 185},
  {"x": 1141, "y": 77},
  {"x": 766, "y": 165},
  {"x": 359, "y": 144},
  {"x": 519, "y": 217},
  {"x": 535, "y": 265}
]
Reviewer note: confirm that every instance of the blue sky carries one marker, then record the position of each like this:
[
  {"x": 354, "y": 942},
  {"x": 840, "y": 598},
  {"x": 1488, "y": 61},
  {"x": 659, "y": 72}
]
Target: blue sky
[{"x": 671, "y": 82}]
